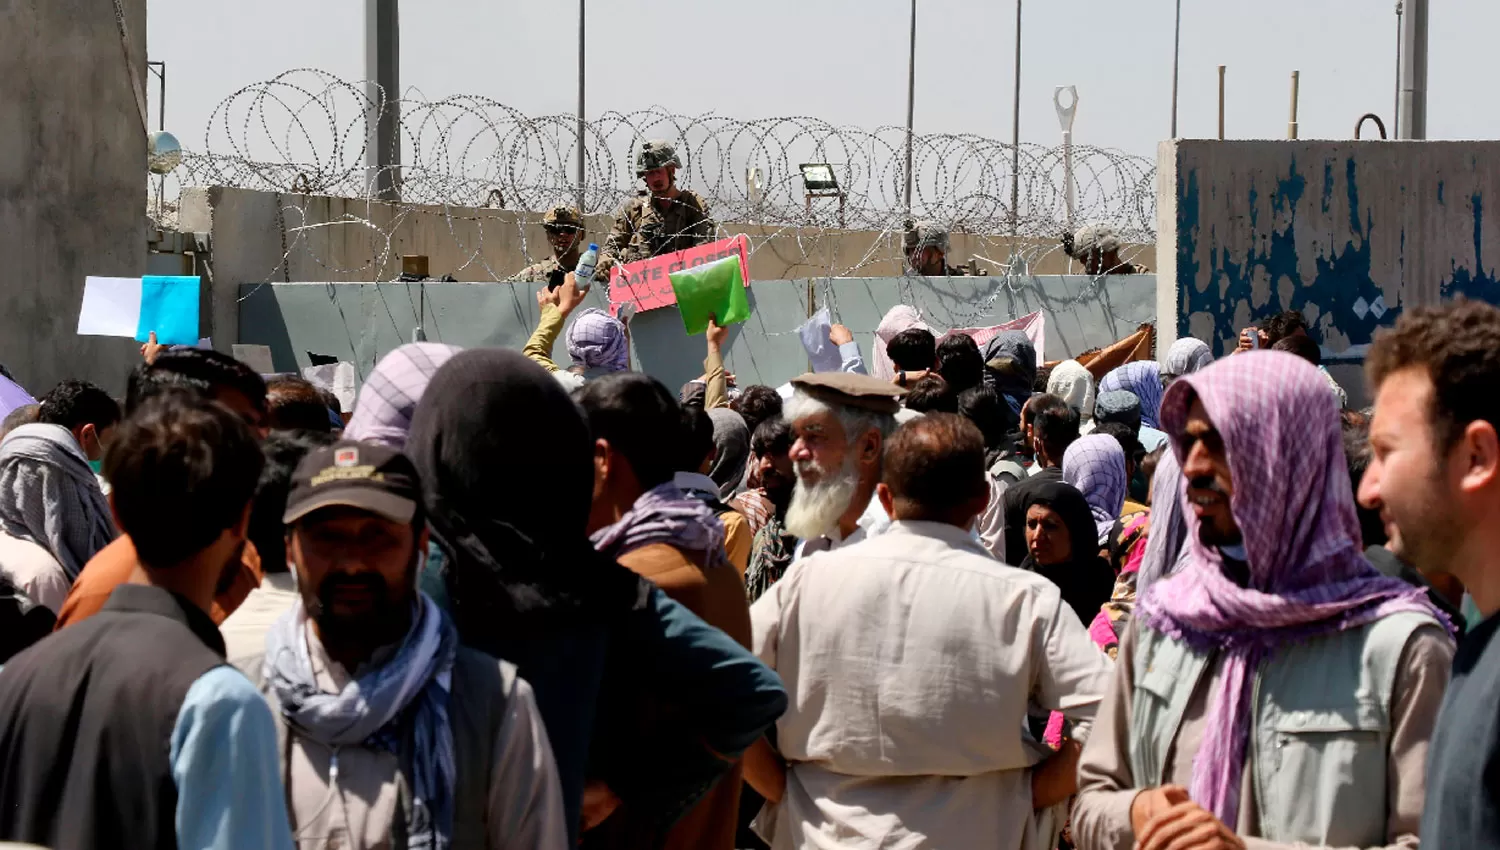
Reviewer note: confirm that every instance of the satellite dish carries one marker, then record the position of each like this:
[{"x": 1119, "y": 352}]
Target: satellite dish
[{"x": 163, "y": 153}]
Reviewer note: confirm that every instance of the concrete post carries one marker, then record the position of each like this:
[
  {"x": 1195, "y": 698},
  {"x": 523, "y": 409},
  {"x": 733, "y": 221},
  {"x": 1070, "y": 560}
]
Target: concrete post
[
  {"x": 1412, "y": 122},
  {"x": 383, "y": 87}
]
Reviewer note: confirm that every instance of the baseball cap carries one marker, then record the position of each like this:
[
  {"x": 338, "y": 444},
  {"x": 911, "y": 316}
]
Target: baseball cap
[{"x": 358, "y": 475}]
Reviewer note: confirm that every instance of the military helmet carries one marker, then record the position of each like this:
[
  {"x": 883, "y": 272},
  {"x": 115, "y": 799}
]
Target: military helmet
[
  {"x": 655, "y": 153},
  {"x": 561, "y": 217},
  {"x": 925, "y": 234}
]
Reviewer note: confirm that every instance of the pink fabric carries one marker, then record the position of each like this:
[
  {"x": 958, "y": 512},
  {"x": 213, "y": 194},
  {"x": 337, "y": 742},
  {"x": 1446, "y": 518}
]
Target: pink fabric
[
  {"x": 1292, "y": 499},
  {"x": 903, "y": 316}
]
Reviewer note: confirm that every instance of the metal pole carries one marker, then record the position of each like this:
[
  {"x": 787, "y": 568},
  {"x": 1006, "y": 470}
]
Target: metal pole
[
  {"x": 1396, "y": 114},
  {"x": 1015, "y": 139},
  {"x": 911, "y": 102},
  {"x": 581, "y": 4},
  {"x": 1291, "y": 126},
  {"x": 1413, "y": 100},
  {"x": 382, "y": 87},
  {"x": 1176, "y": 55},
  {"x": 1221, "y": 102}
]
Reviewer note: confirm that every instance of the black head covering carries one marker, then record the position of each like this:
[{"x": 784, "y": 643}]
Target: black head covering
[
  {"x": 506, "y": 461},
  {"x": 1085, "y": 579}
]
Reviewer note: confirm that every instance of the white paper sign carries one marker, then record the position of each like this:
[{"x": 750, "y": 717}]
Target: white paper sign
[
  {"x": 111, "y": 306},
  {"x": 257, "y": 357},
  {"x": 338, "y": 378}
]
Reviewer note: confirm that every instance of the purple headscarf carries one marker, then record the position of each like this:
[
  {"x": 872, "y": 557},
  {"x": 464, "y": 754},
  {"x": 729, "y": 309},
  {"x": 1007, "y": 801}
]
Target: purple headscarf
[
  {"x": 596, "y": 340},
  {"x": 382, "y": 413},
  {"x": 665, "y": 515},
  {"x": 1143, "y": 377},
  {"x": 1095, "y": 465},
  {"x": 1292, "y": 498}
]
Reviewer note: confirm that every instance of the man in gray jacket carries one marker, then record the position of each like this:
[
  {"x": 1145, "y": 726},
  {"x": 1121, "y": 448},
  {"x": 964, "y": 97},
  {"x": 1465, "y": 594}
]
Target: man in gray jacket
[
  {"x": 393, "y": 734},
  {"x": 1276, "y": 690}
]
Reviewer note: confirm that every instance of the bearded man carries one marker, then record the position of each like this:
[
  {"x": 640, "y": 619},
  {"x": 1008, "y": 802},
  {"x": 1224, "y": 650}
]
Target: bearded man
[{"x": 840, "y": 422}]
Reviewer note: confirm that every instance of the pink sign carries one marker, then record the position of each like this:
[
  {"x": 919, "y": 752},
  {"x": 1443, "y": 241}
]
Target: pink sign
[{"x": 646, "y": 283}]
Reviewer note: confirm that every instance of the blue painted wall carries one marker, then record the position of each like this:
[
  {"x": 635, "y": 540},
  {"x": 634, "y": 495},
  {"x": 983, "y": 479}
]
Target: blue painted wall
[{"x": 1350, "y": 233}]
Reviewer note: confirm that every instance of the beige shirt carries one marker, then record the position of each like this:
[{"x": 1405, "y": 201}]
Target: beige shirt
[
  {"x": 1101, "y": 816},
  {"x": 245, "y": 630},
  {"x": 359, "y": 810},
  {"x": 34, "y": 572},
  {"x": 911, "y": 659}
]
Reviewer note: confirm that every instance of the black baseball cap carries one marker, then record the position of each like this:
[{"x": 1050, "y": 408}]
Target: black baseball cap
[{"x": 352, "y": 474}]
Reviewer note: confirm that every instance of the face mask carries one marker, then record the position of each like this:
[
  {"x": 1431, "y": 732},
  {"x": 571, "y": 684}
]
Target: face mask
[{"x": 97, "y": 466}]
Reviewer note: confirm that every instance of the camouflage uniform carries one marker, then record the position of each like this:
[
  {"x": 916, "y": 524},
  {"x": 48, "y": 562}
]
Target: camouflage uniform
[
  {"x": 547, "y": 270},
  {"x": 643, "y": 230},
  {"x": 927, "y": 235}
]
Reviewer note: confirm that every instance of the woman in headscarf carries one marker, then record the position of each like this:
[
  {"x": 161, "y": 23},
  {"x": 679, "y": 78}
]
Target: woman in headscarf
[
  {"x": 527, "y": 585},
  {"x": 1143, "y": 377},
  {"x": 1061, "y": 547},
  {"x": 50, "y": 497},
  {"x": 1186, "y": 356},
  {"x": 731, "y": 450},
  {"x": 1095, "y": 465},
  {"x": 382, "y": 413},
  {"x": 1072, "y": 383},
  {"x": 1010, "y": 368},
  {"x": 897, "y": 319}
]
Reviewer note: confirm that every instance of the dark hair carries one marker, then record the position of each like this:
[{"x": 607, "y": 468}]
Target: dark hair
[
  {"x": 23, "y": 415},
  {"x": 1357, "y": 454},
  {"x": 757, "y": 404},
  {"x": 1283, "y": 325},
  {"x": 283, "y": 450},
  {"x": 934, "y": 466},
  {"x": 1056, "y": 429},
  {"x": 294, "y": 404},
  {"x": 959, "y": 362},
  {"x": 1043, "y": 378},
  {"x": 1457, "y": 345},
  {"x": 638, "y": 417},
  {"x": 982, "y": 406},
  {"x": 693, "y": 392},
  {"x": 932, "y": 395},
  {"x": 697, "y": 441},
  {"x": 182, "y": 471},
  {"x": 1130, "y": 444},
  {"x": 205, "y": 372},
  {"x": 1302, "y": 346},
  {"x": 772, "y": 437},
  {"x": 913, "y": 350},
  {"x": 1038, "y": 403},
  {"x": 72, "y": 404},
  {"x": 330, "y": 400}
]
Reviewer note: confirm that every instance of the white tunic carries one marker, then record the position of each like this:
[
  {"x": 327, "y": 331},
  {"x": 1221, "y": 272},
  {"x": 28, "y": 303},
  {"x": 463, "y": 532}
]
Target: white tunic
[{"x": 911, "y": 659}]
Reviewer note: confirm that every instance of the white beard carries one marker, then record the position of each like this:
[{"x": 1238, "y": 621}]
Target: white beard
[{"x": 815, "y": 509}]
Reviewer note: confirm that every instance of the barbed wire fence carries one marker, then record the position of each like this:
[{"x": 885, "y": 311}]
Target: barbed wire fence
[{"x": 305, "y": 133}]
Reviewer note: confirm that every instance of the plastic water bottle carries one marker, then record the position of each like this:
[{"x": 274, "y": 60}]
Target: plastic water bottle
[{"x": 584, "y": 273}]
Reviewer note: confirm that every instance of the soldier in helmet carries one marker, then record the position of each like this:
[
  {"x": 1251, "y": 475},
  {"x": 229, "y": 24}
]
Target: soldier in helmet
[
  {"x": 660, "y": 219},
  {"x": 1098, "y": 248},
  {"x": 564, "y": 228},
  {"x": 926, "y": 247}
]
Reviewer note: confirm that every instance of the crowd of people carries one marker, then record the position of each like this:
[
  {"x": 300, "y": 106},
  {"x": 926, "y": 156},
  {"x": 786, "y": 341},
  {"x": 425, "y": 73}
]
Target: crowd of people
[{"x": 1179, "y": 604}]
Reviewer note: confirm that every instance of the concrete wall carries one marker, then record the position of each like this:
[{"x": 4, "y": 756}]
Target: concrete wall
[
  {"x": 355, "y": 240},
  {"x": 1350, "y": 233},
  {"x": 361, "y": 322},
  {"x": 72, "y": 182}
]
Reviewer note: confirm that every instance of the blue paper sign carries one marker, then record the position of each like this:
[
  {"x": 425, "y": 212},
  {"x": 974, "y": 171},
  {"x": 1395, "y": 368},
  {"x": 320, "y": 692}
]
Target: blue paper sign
[{"x": 169, "y": 306}]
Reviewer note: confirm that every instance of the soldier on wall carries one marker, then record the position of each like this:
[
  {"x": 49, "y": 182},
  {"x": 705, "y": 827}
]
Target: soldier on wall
[{"x": 661, "y": 218}]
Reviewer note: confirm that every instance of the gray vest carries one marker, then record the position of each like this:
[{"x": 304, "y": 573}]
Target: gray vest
[
  {"x": 1319, "y": 735},
  {"x": 482, "y": 686}
]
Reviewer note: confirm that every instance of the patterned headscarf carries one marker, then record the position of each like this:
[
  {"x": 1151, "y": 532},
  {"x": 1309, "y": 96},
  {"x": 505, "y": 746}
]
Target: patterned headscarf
[
  {"x": 1143, "y": 377},
  {"x": 1168, "y": 524},
  {"x": 50, "y": 497},
  {"x": 596, "y": 340},
  {"x": 1096, "y": 466},
  {"x": 1073, "y": 383},
  {"x": 1307, "y": 575},
  {"x": 665, "y": 515},
  {"x": 1186, "y": 356},
  {"x": 382, "y": 414}
]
